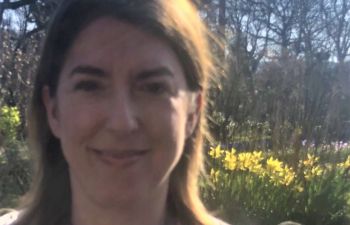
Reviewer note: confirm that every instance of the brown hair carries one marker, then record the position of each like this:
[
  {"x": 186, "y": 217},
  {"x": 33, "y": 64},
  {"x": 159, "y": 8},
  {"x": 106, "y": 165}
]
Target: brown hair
[{"x": 179, "y": 24}]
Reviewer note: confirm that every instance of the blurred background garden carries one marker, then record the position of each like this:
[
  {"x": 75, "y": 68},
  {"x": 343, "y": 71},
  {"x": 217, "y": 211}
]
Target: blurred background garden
[{"x": 280, "y": 118}]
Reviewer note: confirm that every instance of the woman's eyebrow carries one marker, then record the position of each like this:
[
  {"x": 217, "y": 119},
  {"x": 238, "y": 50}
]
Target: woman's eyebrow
[
  {"x": 156, "y": 72},
  {"x": 87, "y": 70}
]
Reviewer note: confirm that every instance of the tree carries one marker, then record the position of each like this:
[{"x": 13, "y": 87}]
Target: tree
[{"x": 336, "y": 17}]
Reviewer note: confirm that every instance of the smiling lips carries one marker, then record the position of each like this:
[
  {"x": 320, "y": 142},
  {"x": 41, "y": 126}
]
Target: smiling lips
[{"x": 124, "y": 157}]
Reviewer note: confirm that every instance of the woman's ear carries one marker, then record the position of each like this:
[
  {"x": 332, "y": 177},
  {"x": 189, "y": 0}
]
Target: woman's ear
[
  {"x": 50, "y": 104},
  {"x": 194, "y": 109}
]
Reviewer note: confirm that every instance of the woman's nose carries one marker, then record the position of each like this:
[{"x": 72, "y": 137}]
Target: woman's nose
[{"x": 122, "y": 116}]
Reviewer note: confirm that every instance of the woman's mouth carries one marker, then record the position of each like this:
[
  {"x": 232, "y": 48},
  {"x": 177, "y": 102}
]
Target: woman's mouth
[{"x": 119, "y": 157}]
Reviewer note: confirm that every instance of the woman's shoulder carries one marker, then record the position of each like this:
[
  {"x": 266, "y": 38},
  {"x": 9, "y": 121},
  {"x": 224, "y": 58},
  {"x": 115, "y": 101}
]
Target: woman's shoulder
[{"x": 9, "y": 218}]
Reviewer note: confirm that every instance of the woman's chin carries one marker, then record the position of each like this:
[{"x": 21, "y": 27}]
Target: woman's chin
[{"x": 118, "y": 199}]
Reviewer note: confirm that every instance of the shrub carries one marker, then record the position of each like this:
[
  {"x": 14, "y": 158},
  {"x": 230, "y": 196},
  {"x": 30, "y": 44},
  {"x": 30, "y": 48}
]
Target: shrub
[
  {"x": 9, "y": 122},
  {"x": 14, "y": 159}
]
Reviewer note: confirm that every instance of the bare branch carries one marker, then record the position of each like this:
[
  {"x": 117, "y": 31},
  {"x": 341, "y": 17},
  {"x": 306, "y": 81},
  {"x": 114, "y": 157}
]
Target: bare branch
[
  {"x": 6, "y": 4},
  {"x": 15, "y": 5}
]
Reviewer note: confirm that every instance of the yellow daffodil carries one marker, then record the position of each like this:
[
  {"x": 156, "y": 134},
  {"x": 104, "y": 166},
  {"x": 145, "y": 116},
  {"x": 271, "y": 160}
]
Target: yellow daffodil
[
  {"x": 347, "y": 162},
  {"x": 313, "y": 172},
  {"x": 250, "y": 162},
  {"x": 287, "y": 176},
  {"x": 230, "y": 160},
  {"x": 273, "y": 165},
  {"x": 244, "y": 160},
  {"x": 310, "y": 161},
  {"x": 216, "y": 152}
]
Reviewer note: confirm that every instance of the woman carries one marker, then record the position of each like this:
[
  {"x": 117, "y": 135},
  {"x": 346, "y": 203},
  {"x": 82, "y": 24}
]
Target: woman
[{"x": 117, "y": 115}]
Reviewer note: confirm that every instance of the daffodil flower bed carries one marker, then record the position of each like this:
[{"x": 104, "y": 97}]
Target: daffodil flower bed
[{"x": 259, "y": 186}]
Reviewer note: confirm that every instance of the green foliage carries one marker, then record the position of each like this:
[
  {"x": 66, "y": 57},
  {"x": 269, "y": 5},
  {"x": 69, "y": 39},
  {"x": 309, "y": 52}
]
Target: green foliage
[
  {"x": 15, "y": 174},
  {"x": 258, "y": 186},
  {"x": 14, "y": 159},
  {"x": 9, "y": 122}
]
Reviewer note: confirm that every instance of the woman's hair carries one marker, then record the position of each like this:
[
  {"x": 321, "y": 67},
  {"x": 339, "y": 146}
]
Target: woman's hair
[{"x": 179, "y": 24}]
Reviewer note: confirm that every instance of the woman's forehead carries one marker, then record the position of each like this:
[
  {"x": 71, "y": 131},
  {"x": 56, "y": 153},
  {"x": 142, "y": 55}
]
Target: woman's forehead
[
  {"x": 110, "y": 29},
  {"x": 107, "y": 33},
  {"x": 109, "y": 42}
]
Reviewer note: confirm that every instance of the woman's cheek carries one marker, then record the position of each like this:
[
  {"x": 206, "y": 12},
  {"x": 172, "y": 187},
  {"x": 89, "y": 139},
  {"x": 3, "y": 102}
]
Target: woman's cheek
[{"x": 82, "y": 116}]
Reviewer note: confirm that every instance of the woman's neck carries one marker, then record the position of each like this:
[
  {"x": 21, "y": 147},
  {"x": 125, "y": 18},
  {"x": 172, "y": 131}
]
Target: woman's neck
[{"x": 151, "y": 210}]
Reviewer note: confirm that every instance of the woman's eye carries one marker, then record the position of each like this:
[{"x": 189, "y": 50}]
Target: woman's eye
[
  {"x": 87, "y": 86},
  {"x": 156, "y": 88}
]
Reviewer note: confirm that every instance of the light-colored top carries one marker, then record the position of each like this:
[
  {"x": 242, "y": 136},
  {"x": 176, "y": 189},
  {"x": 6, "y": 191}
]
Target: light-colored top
[
  {"x": 220, "y": 222},
  {"x": 11, "y": 217}
]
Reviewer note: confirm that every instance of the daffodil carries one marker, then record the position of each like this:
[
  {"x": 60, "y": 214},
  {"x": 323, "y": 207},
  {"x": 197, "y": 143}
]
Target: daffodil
[
  {"x": 347, "y": 162},
  {"x": 230, "y": 160},
  {"x": 289, "y": 176},
  {"x": 310, "y": 161},
  {"x": 216, "y": 152},
  {"x": 313, "y": 172},
  {"x": 244, "y": 160},
  {"x": 273, "y": 165},
  {"x": 250, "y": 162}
]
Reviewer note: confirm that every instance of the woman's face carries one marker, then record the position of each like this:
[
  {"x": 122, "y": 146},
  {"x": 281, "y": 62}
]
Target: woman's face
[{"x": 122, "y": 112}]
